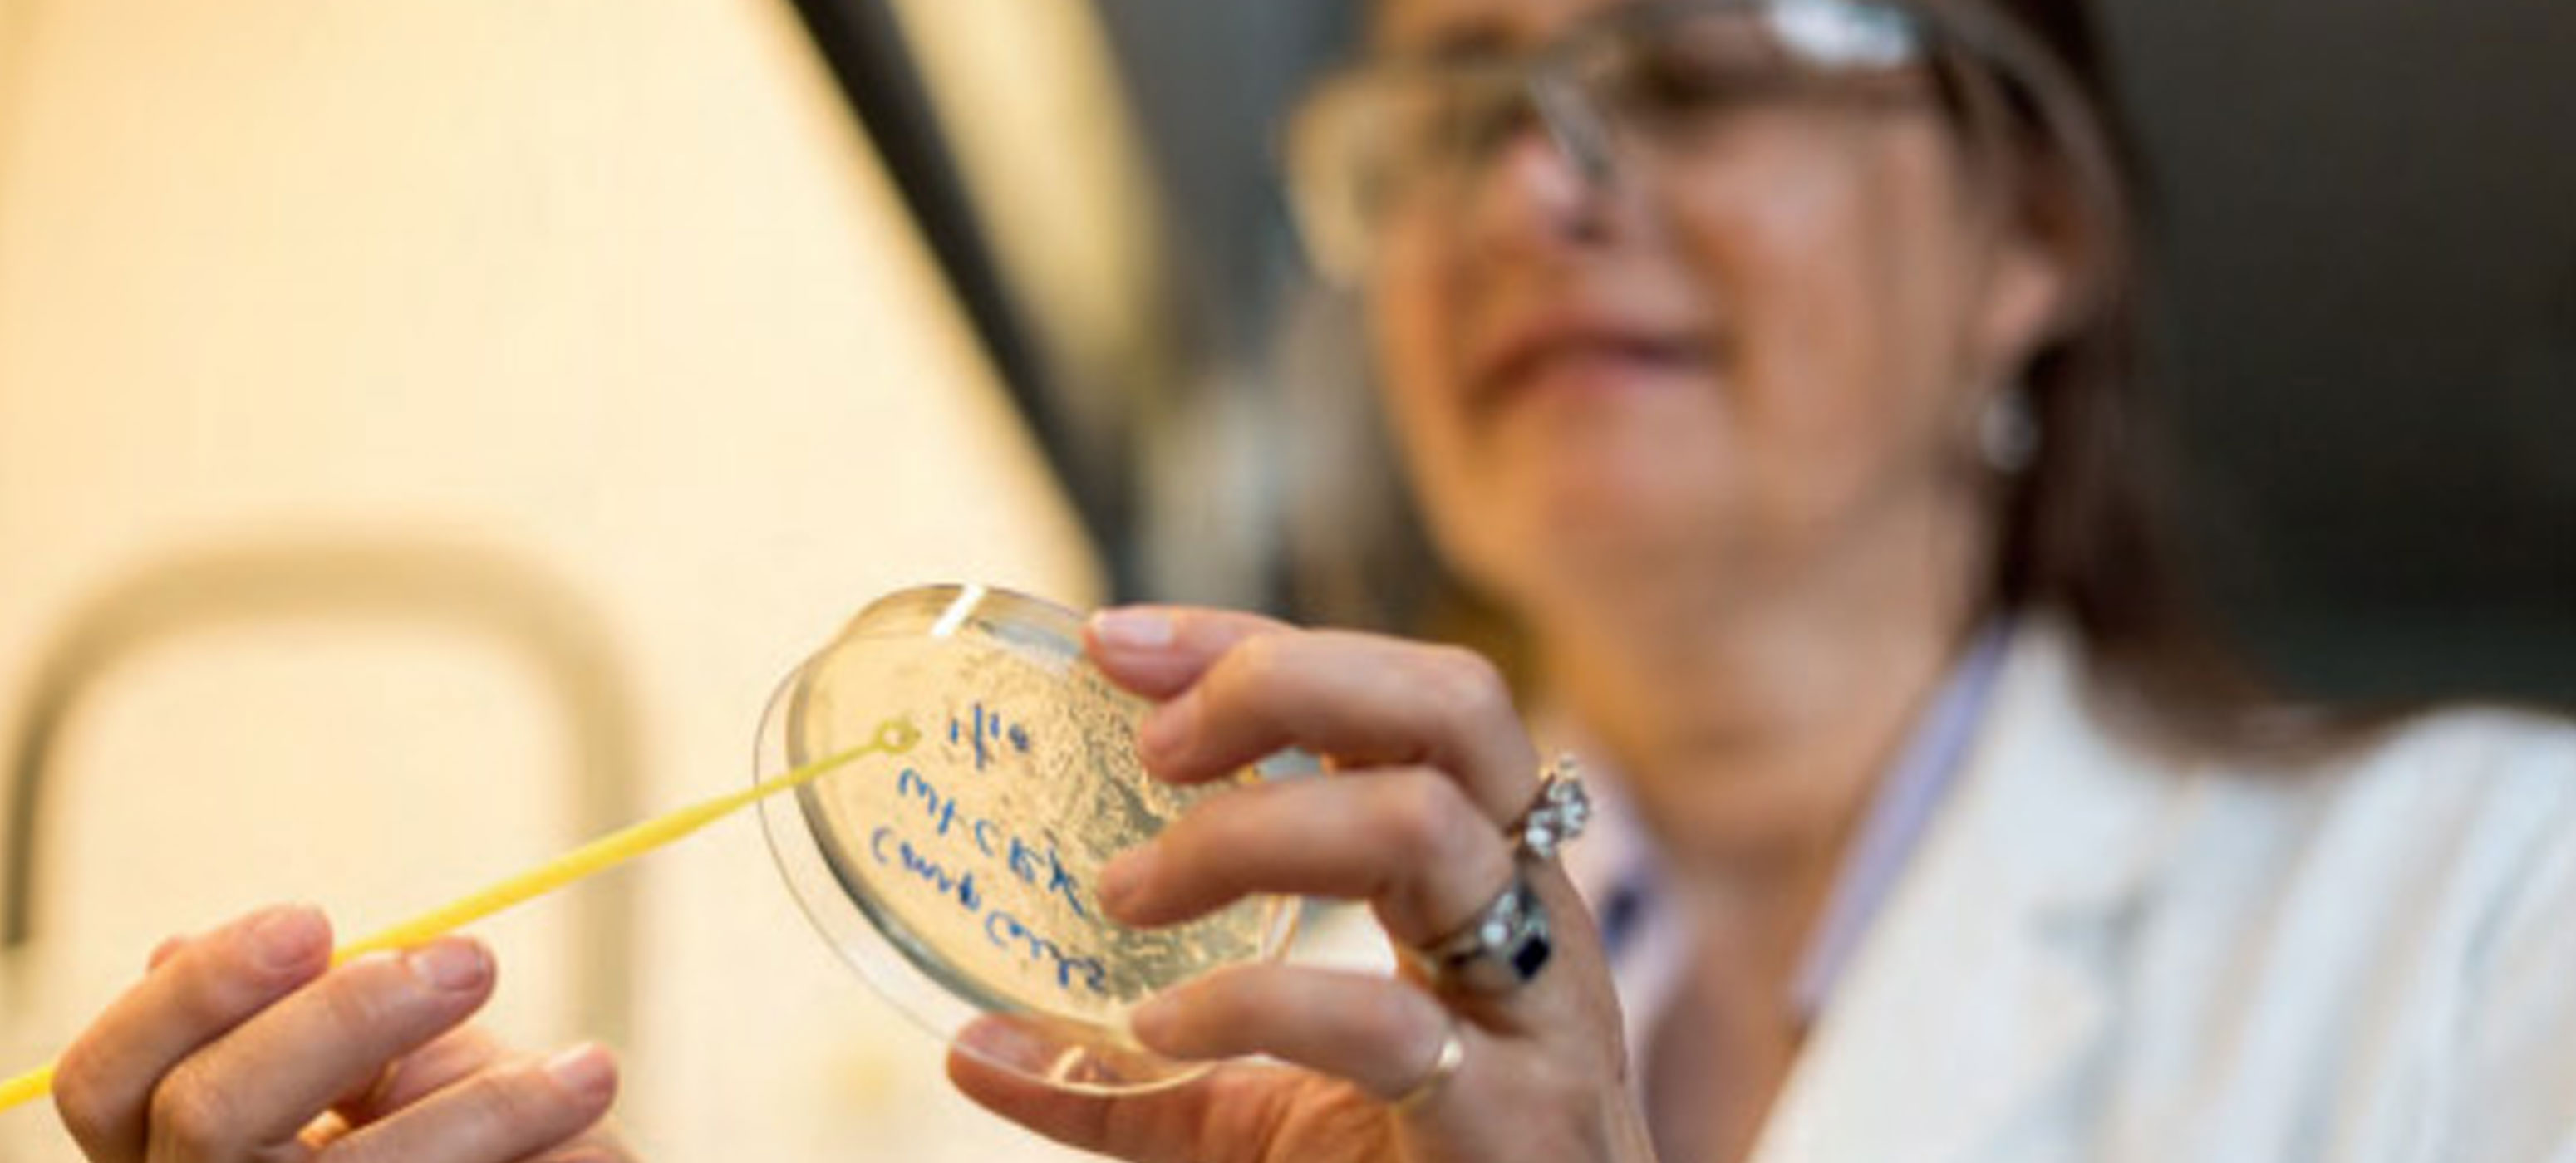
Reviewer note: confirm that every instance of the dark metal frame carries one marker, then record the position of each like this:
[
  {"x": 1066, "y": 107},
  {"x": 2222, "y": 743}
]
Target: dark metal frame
[
  {"x": 365, "y": 581},
  {"x": 863, "y": 44}
]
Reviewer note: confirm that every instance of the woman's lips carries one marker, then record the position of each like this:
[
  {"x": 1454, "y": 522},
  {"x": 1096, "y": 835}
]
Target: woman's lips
[{"x": 1585, "y": 356}]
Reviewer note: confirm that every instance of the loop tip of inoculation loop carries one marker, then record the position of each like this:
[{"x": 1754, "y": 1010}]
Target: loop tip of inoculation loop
[{"x": 896, "y": 736}]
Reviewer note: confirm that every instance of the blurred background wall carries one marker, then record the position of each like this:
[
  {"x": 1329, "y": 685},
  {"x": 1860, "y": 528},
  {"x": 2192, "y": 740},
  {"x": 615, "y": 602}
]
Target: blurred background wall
[
  {"x": 2369, "y": 257},
  {"x": 428, "y": 427}
]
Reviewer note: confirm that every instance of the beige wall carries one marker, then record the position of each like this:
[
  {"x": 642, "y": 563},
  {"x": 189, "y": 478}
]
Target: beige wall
[{"x": 608, "y": 291}]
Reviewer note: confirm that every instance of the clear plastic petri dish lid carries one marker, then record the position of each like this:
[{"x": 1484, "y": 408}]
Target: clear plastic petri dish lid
[{"x": 957, "y": 875}]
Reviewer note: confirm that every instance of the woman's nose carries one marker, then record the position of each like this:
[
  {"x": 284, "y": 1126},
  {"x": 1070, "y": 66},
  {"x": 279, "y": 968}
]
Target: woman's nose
[{"x": 1535, "y": 194}]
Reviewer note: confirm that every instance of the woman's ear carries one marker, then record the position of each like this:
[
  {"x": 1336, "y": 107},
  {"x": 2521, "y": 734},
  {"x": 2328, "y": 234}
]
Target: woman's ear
[{"x": 2052, "y": 259}]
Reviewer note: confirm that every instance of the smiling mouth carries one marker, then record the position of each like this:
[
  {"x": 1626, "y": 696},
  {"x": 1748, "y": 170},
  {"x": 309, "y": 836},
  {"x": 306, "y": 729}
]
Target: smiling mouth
[{"x": 1589, "y": 364}]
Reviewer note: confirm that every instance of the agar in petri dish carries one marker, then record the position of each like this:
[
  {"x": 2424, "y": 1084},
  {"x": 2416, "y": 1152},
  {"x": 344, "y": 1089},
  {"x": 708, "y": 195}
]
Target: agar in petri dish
[{"x": 958, "y": 876}]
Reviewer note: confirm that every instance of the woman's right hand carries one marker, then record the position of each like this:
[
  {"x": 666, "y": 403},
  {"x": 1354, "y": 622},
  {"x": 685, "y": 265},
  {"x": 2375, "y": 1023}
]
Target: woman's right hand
[
  {"x": 245, "y": 1044},
  {"x": 1429, "y": 764}
]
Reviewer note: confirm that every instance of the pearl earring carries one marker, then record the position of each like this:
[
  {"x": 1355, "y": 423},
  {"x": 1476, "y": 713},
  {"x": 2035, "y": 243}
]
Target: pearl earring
[{"x": 2008, "y": 432}]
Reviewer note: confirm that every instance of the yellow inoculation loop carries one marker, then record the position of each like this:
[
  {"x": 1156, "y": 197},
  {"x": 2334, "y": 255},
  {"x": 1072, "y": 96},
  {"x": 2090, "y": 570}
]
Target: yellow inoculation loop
[{"x": 893, "y": 737}]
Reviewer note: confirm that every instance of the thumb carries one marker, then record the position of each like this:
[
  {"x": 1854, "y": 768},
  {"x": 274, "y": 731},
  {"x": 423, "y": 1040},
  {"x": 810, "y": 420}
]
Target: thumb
[{"x": 1183, "y": 1121}]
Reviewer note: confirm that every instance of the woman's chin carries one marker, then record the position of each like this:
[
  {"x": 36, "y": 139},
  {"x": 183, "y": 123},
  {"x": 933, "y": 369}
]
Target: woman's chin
[
  {"x": 1610, "y": 566},
  {"x": 1597, "y": 518}
]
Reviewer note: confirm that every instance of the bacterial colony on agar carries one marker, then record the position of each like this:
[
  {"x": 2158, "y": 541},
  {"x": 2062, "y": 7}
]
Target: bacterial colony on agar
[{"x": 958, "y": 877}]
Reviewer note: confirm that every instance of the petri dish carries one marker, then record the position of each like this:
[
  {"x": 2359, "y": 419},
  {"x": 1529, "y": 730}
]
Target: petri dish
[{"x": 957, "y": 875}]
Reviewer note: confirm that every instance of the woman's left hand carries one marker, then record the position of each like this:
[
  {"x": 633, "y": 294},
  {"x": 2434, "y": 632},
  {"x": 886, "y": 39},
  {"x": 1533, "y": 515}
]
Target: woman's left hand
[
  {"x": 245, "y": 1043},
  {"x": 1429, "y": 763}
]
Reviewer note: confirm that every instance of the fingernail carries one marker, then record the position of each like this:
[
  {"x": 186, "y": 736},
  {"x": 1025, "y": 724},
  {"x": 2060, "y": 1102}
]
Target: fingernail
[
  {"x": 1132, "y": 628},
  {"x": 450, "y": 964},
  {"x": 1121, "y": 877},
  {"x": 163, "y": 952},
  {"x": 585, "y": 1070},
  {"x": 1166, "y": 731},
  {"x": 288, "y": 936},
  {"x": 1007, "y": 1042}
]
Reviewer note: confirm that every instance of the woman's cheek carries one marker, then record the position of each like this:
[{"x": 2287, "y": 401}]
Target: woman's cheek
[{"x": 1418, "y": 386}]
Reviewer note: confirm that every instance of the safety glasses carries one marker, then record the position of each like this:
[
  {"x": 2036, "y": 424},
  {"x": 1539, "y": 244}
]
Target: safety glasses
[{"x": 1630, "y": 88}]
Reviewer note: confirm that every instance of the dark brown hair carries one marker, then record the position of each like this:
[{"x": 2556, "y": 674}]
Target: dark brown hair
[{"x": 2087, "y": 531}]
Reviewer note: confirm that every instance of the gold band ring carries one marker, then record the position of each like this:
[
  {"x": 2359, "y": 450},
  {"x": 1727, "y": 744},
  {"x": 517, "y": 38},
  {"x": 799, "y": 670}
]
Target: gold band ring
[{"x": 1453, "y": 1052}]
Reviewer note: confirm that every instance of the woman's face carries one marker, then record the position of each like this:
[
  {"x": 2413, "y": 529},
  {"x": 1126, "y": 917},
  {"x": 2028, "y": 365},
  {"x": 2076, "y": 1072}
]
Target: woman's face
[{"x": 1721, "y": 376}]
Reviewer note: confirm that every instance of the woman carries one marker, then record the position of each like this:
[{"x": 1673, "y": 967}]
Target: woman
[{"x": 1766, "y": 363}]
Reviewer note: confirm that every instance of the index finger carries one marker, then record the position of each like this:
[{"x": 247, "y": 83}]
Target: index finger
[
  {"x": 195, "y": 994},
  {"x": 1158, "y": 651},
  {"x": 1237, "y": 688}
]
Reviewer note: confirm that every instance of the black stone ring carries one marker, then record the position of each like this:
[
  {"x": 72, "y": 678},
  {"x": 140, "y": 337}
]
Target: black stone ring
[{"x": 1502, "y": 948}]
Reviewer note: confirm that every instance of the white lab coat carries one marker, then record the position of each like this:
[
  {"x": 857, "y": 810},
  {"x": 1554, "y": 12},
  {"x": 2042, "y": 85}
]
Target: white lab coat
[{"x": 2100, "y": 953}]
